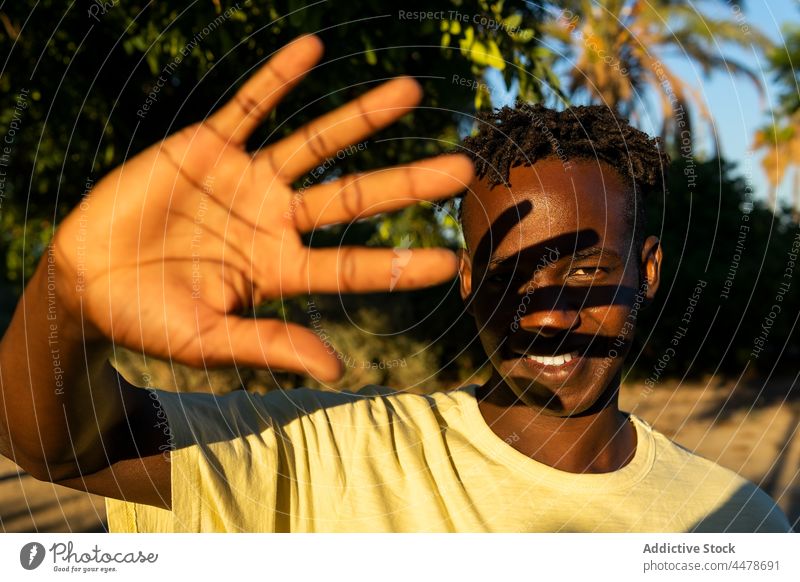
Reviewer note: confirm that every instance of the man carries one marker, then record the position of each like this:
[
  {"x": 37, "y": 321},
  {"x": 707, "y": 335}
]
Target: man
[{"x": 555, "y": 268}]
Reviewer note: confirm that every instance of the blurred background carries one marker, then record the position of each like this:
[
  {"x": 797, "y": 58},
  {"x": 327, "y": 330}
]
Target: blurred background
[{"x": 88, "y": 86}]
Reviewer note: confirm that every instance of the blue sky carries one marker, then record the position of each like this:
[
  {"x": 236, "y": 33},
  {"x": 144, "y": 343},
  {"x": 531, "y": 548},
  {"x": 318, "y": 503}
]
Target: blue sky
[{"x": 734, "y": 102}]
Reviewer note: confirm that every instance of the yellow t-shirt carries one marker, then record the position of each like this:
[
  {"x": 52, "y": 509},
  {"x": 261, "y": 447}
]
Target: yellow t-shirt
[{"x": 382, "y": 461}]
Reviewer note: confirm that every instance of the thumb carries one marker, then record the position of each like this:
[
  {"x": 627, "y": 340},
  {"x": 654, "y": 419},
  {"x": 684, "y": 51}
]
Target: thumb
[{"x": 275, "y": 344}]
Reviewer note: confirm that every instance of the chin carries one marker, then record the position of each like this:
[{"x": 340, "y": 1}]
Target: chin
[{"x": 567, "y": 400}]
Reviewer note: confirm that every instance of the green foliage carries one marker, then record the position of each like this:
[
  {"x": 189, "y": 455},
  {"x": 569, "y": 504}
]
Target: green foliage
[
  {"x": 783, "y": 62},
  {"x": 712, "y": 232}
]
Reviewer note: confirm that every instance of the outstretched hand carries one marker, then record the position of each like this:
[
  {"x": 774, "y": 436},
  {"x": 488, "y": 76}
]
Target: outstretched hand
[{"x": 166, "y": 252}]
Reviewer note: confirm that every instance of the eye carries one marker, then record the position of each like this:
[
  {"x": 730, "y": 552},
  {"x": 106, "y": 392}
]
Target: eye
[
  {"x": 500, "y": 278},
  {"x": 587, "y": 272}
]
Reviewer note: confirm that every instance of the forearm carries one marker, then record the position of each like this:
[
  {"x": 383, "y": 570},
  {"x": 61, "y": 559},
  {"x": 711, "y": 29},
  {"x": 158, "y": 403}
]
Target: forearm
[{"x": 55, "y": 381}]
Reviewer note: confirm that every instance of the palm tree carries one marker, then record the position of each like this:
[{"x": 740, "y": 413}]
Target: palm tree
[
  {"x": 781, "y": 140},
  {"x": 782, "y": 146},
  {"x": 617, "y": 50}
]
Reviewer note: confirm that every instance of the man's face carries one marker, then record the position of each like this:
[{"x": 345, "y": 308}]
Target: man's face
[{"x": 553, "y": 282}]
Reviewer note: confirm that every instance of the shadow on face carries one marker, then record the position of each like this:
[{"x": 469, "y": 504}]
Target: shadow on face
[{"x": 554, "y": 282}]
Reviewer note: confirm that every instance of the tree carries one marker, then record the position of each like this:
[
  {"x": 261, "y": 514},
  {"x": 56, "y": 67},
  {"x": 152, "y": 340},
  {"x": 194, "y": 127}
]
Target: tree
[
  {"x": 781, "y": 139},
  {"x": 725, "y": 264},
  {"x": 616, "y": 50},
  {"x": 781, "y": 142}
]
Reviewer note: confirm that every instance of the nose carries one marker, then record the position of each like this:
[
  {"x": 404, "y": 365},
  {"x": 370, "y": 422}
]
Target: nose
[{"x": 549, "y": 312}]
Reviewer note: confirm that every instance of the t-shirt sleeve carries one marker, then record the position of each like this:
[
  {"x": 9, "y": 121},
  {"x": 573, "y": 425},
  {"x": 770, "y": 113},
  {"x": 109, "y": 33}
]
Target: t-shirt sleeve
[
  {"x": 748, "y": 510},
  {"x": 239, "y": 462},
  {"x": 732, "y": 503}
]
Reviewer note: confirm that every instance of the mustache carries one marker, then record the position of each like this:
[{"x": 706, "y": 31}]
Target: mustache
[{"x": 587, "y": 345}]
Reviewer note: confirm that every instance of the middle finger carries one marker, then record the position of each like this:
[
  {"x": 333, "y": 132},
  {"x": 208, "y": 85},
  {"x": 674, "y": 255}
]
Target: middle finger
[{"x": 358, "y": 196}]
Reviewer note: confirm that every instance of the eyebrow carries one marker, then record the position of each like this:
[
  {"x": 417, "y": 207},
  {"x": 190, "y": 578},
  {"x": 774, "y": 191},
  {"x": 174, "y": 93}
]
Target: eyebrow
[
  {"x": 588, "y": 253},
  {"x": 593, "y": 252}
]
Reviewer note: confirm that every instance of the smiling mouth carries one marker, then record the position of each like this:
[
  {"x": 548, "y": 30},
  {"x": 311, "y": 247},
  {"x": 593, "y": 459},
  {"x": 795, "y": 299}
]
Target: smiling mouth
[{"x": 558, "y": 360}]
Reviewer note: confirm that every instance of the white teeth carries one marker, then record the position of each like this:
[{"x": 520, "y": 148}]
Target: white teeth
[{"x": 554, "y": 360}]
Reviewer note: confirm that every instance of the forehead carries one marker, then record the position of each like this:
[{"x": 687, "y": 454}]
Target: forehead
[{"x": 575, "y": 206}]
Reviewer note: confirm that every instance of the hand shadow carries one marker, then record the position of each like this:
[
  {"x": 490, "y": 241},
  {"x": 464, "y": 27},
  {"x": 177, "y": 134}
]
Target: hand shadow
[{"x": 529, "y": 297}]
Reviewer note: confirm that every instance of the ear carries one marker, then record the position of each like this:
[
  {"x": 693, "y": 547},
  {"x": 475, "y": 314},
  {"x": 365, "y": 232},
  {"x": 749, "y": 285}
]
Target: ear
[
  {"x": 651, "y": 266},
  {"x": 465, "y": 277}
]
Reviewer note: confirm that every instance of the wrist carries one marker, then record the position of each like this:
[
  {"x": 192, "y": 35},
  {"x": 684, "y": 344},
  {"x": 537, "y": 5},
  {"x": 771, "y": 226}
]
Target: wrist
[{"x": 53, "y": 293}]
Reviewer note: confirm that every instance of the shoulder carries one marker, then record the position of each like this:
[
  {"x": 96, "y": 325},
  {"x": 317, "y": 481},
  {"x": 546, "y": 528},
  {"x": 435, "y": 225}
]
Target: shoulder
[
  {"x": 239, "y": 413},
  {"x": 376, "y": 407},
  {"x": 724, "y": 500}
]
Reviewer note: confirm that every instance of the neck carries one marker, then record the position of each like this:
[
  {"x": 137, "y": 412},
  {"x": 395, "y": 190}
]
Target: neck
[{"x": 599, "y": 440}]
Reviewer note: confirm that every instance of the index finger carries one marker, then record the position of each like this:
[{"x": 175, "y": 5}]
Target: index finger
[{"x": 310, "y": 145}]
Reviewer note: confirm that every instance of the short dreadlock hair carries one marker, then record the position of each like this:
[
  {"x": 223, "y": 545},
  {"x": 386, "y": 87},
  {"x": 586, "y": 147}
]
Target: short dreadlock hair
[{"x": 526, "y": 133}]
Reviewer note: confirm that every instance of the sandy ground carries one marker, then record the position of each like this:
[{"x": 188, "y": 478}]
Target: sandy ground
[{"x": 751, "y": 430}]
